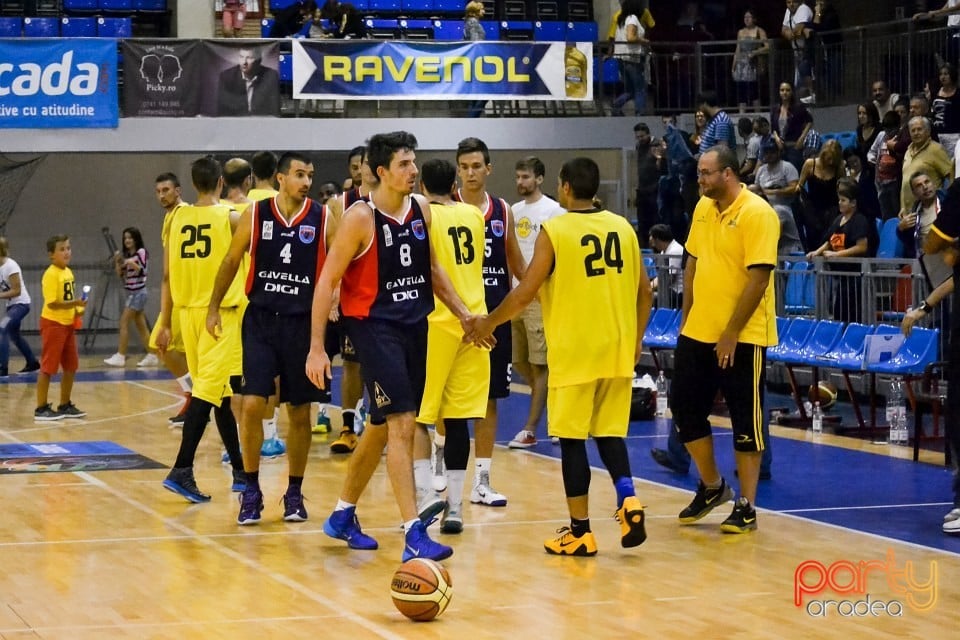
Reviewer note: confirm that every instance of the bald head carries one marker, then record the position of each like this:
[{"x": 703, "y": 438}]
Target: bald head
[{"x": 235, "y": 172}]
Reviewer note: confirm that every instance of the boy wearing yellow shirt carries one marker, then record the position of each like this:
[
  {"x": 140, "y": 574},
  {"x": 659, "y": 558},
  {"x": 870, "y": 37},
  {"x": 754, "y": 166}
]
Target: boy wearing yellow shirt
[{"x": 58, "y": 340}]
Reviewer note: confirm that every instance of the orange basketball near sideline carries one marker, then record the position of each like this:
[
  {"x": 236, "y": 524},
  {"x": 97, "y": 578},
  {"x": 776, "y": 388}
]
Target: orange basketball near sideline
[{"x": 421, "y": 589}]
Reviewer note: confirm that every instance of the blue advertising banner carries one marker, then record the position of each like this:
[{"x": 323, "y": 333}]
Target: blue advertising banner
[
  {"x": 58, "y": 84},
  {"x": 392, "y": 70}
]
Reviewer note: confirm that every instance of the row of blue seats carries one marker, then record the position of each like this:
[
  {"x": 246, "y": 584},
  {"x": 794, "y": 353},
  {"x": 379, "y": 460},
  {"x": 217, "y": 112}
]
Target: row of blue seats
[
  {"x": 453, "y": 7},
  {"x": 113, "y": 5},
  {"x": 832, "y": 344},
  {"x": 453, "y": 29},
  {"x": 104, "y": 27}
]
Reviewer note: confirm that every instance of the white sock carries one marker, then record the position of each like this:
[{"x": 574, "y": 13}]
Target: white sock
[
  {"x": 409, "y": 525},
  {"x": 341, "y": 505},
  {"x": 421, "y": 475},
  {"x": 185, "y": 383},
  {"x": 439, "y": 439},
  {"x": 276, "y": 414},
  {"x": 269, "y": 429},
  {"x": 455, "y": 481},
  {"x": 483, "y": 464}
]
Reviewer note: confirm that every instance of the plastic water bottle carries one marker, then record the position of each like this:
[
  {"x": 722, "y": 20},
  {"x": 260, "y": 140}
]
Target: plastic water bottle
[
  {"x": 897, "y": 413},
  {"x": 817, "y": 422},
  {"x": 662, "y": 395}
]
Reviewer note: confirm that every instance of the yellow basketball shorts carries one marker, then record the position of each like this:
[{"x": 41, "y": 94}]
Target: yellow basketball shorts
[
  {"x": 600, "y": 408},
  {"x": 176, "y": 340},
  {"x": 211, "y": 361},
  {"x": 458, "y": 378}
]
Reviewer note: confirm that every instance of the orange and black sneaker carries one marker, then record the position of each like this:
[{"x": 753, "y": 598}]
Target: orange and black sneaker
[
  {"x": 346, "y": 443},
  {"x": 631, "y": 518},
  {"x": 567, "y": 544},
  {"x": 743, "y": 518}
]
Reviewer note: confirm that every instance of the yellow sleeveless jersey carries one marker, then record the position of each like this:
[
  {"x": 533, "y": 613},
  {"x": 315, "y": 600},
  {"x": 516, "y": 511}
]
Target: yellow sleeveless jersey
[
  {"x": 255, "y": 195},
  {"x": 199, "y": 238},
  {"x": 165, "y": 230},
  {"x": 590, "y": 299},
  {"x": 457, "y": 240}
]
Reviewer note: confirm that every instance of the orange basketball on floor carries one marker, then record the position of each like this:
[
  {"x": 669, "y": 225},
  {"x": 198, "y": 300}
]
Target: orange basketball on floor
[{"x": 421, "y": 589}]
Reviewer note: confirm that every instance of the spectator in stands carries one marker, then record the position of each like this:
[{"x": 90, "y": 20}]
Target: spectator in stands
[
  {"x": 826, "y": 26},
  {"x": 868, "y": 203},
  {"x": 234, "y": 13},
  {"x": 951, "y": 9},
  {"x": 329, "y": 189},
  {"x": 847, "y": 237},
  {"x": 776, "y": 180},
  {"x": 719, "y": 129},
  {"x": 677, "y": 193},
  {"x": 886, "y": 167},
  {"x": 473, "y": 31},
  {"x": 868, "y": 128},
  {"x": 631, "y": 51},
  {"x": 293, "y": 20},
  {"x": 646, "y": 21},
  {"x": 13, "y": 290},
  {"x": 350, "y": 22},
  {"x": 945, "y": 109},
  {"x": 790, "y": 122},
  {"x": 819, "y": 176},
  {"x": 913, "y": 228},
  {"x": 797, "y": 31},
  {"x": 883, "y": 100},
  {"x": 661, "y": 240},
  {"x": 747, "y": 129},
  {"x": 750, "y": 60},
  {"x": 648, "y": 178},
  {"x": 918, "y": 105},
  {"x": 925, "y": 155},
  {"x": 699, "y": 124},
  {"x": 249, "y": 88}
]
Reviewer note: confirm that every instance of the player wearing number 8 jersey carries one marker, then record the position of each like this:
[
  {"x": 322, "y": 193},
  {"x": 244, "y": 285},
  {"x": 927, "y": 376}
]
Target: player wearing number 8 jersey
[{"x": 595, "y": 302}]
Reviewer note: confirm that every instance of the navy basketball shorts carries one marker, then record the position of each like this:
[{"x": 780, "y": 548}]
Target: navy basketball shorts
[
  {"x": 696, "y": 379},
  {"x": 277, "y": 345},
  {"x": 393, "y": 363},
  {"x": 501, "y": 359}
]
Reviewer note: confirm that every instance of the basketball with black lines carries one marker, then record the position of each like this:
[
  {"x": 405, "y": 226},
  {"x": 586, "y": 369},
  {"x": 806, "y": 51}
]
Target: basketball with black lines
[{"x": 421, "y": 589}]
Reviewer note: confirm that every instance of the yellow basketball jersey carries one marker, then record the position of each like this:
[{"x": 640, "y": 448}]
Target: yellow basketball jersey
[
  {"x": 457, "y": 240},
  {"x": 255, "y": 195},
  {"x": 165, "y": 230},
  {"x": 590, "y": 299},
  {"x": 199, "y": 239}
]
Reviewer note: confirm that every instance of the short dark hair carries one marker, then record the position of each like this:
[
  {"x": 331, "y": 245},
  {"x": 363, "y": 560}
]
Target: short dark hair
[
  {"x": 708, "y": 97},
  {"x": 383, "y": 146},
  {"x": 205, "y": 172},
  {"x": 472, "y": 145},
  {"x": 641, "y": 126},
  {"x": 917, "y": 174},
  {"x": 532, "y": 163},
  {"x": 53, "y": 240},
  {"x": 168, "y": 177},
  {"x": 726, "y": 157},
  {"x": 264, "y": 165},
  {"x": 891, "y": 120},
  {"x": 661, "y": 232},
  {"x": 283, "y": 165},
  {"x": 235, "y": 171},
  {"x": 438, "y": 176},
  {"x": 744, "y": 127},
  {"x": 357, "y": 151},
  {"x": 583, "y": 176},
  {"x": 848, "y": 188}
]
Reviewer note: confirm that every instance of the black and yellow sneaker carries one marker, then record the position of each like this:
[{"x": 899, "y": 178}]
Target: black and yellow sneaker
[
  {"x": 346, "y": 443},
  {"x": 706, "y": 501},
  {"x": 630, "y": 516},
  {"x": 743, "y": 518},
  {"x": 567, "y": 544}
]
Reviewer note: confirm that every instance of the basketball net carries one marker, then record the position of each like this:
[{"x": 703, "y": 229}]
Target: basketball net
[{"x": 14, "y": 176}]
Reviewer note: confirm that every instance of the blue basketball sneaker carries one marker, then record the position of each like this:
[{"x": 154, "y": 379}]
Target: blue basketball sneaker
[
  {"x": 272, "y": 448},
  {"x": 251, "y": 504},
  {"x": 419, "y": 545},
  {"x": 344, "y": 525},
  {"x": 180, "y": 480},
  {"x": 293, "y": 509}
]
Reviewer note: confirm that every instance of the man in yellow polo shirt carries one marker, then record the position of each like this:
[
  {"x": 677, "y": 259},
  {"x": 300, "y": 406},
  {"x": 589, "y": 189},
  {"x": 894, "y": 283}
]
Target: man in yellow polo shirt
[{"x": 729, "y": 319}]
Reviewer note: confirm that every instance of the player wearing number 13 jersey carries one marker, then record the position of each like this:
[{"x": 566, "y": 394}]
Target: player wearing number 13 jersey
[{"x": 586, "y": 266}]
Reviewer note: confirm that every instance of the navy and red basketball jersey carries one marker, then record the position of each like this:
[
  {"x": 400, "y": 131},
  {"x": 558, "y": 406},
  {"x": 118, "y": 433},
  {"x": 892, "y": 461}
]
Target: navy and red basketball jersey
[
  {"x": 286, "y": 258},
  {"x": 351, "y": 196},
  {"x": 391, "y": 279},
  {"x": 496, "y": 277}
]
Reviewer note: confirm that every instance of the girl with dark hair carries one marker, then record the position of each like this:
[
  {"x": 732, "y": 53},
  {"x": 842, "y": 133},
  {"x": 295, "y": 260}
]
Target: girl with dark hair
[
  {"x": 131, "y": 265},
  {"x": 749, "y": 59},
  {"x": 790, "y": 122},
  {"x": 631, "y": 51},
  {"x": 868, "y": 127},
  {"x": 945, "y": 109}
]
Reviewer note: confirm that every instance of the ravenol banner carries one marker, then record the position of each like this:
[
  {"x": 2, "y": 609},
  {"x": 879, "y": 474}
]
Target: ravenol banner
[
  {"x": 390, "y": 70},
  {"x": 58, "y": 84}
]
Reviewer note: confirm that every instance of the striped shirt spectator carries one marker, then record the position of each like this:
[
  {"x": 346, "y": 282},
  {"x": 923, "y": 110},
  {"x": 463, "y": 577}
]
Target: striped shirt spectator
[{"x": 720, "y": 128}]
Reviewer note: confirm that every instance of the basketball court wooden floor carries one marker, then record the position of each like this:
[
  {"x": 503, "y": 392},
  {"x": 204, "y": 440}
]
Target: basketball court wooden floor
[{"x": 88, "y": 553}]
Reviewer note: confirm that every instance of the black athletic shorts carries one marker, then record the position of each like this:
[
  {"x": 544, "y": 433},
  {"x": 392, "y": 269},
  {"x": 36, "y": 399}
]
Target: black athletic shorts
[
  {"x": 501, "y": 359},
  {"x": 696, "y": 379},
  {"x": 393, "y": 363},
  {"x": 277, "y": 345}
]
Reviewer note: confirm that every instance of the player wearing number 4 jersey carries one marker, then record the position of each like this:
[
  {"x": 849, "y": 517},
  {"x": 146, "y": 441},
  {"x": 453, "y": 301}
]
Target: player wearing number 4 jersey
[{"x": 586, "y": 266}]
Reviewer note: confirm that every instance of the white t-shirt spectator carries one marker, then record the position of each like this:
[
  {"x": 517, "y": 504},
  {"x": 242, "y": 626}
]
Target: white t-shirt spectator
[
  {"x": 675, "y": 265},
  {"x": 624, "y": 49},
  {"x": 803, "y": 15},
  {"x": 527, "y": 219},
  {"x": 777, "y": 176},
  {"x": 7, "y": 270}
]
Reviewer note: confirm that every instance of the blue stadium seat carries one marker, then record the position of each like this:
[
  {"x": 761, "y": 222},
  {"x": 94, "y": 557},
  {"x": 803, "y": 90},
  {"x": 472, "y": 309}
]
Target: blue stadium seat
[
  {"x": 361, "y": 5},
  {"x": 285, "y": 67},
  {"x": 825, "y": 336},
  {"x": 265, "y": 25},
  {"x": 11, "y": 27},
  {"x": 917, "y": 351},
  {"x": 80, "y": 5},
  {"x": 277, "y": 5},
  {"x": 383, "y": 28},
  {"x": 116, "y": 5},
  {"x": 847, "y": 139},
  {"x": 890, "y": 245},
  {"x": 848, "y": 348},
  {"x": 658, "y": 324},
  {"x": 854, "y": 361},
  {"x": 447, "y": 30},
  {"x": 667, "y": 337},
  {"x": 582, "y": 32},
  {"x": 515, "y": 30},
  {"x": 417, "y": 29},
  {"x": 550, "y": 31},
  {"x": 799, "y": 293},
  {"x": 41, "y": 27},
  {"x": 78, "y": 27},
  {"x": 491, "y": 28},
  {"x": 452, "y": 7},
  {"x": 651, "y": 266},
  {"x": 383, "y": 6},
  {"x": 150, "y": 5},
  {"x": 417, "y": 6},
  {"x": 114, "y": 27},
  {"x": 792, "y": 340}
]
